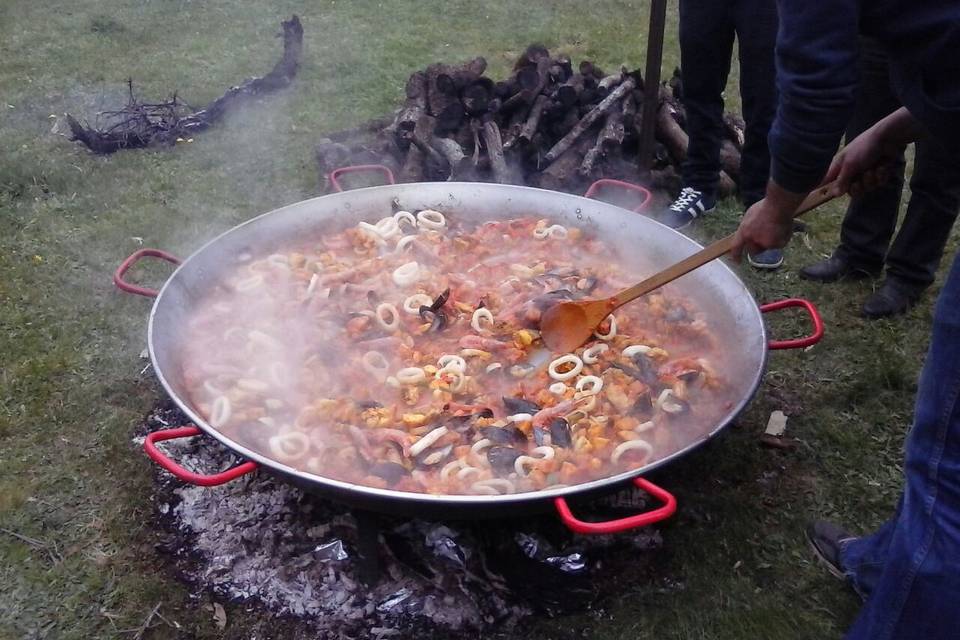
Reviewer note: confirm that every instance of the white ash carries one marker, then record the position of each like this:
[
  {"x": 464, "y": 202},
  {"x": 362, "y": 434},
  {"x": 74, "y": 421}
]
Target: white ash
[{"x": 260, "y": 540}]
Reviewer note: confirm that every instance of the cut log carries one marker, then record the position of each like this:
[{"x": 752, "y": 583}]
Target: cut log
[
  {"x": 730, "y": 159},
  {"x": 533, "y": 119},
  {"x": 451, "y": 118},
  {"x": 453, "y": 80},
  {"x": 450, "y": 79},
  {"x": 581, "y": 127},
  {"x": 457, "y": 160},
  {"x": 609, "y": 139},
  {"x": 415, "y": 106},
  {"x": 608, "y": 83},
  {"x": 562, "y": 171},
  {"x": 734, "y": 129},
  {"x": 498, "y": 164},
  {"x": 476, "y": 97},
  {"x": 671, "y": 134},
  {"x": 513, "y": 127},
  {"x": 414, "y": 165},
  {"x": 629, "y": 111}
]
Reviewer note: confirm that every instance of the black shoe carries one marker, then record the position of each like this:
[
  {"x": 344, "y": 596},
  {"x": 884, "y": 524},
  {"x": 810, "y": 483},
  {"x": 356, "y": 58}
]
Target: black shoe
[
  {"x": 889, "y": 300},
  {"x": 688, "y": 206},
  {"x": 834, "y": 268},
  {"x": 828, "y": 541}
]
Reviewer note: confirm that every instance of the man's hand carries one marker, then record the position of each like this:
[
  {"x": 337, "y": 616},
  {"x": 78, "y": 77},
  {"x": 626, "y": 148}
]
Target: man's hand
[
  {"x": 861, "y": 165},
  {"x": 768, "y": 224}
]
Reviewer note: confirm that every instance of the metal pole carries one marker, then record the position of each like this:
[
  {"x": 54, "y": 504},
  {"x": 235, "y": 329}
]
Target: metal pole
[{"x": 651, "y": 82}]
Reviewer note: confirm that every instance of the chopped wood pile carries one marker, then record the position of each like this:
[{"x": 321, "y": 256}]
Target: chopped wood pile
[
  {"x": 549, "y": 124},
  {"x": 140, "y": 124}
]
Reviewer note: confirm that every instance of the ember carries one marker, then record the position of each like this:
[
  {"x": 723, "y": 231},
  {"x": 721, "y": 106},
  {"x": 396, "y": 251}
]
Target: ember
[
  {"x": 339, "y": 572},
  {"x": 546, "y": 125}
]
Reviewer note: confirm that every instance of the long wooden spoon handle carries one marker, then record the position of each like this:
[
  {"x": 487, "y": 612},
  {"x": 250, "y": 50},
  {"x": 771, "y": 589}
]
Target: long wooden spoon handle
[{"x": 814, "y": 199}]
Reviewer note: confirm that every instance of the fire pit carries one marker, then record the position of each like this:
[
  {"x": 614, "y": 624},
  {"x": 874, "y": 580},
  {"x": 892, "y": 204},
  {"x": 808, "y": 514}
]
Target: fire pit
[{"x": 341, "y": 571}]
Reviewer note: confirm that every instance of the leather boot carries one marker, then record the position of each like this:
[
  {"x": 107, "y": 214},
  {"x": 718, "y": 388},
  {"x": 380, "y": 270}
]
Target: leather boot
[
  {"x": 889, "y": 300},
  {"x": 835, "y": 268}
]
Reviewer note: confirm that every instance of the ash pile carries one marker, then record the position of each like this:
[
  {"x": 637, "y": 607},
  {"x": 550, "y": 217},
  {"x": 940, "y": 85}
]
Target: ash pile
[
  {"x": 340, "y": 573},
  {"x": 548, "y": 124}
]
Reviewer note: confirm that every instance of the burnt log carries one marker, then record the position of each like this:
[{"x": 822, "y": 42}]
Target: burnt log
[
  {"x": 444, "y": 82},
  {"x": 451, "y": 118},
  {"x": 476, "y": 97},
  {"x": 139, "y": 125},
  {"x": 587, "y": 121},
  {"x": 535, "y": 60}
]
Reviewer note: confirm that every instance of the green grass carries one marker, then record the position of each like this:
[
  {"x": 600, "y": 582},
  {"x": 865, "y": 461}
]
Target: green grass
[{"x": 733, "y": 565}]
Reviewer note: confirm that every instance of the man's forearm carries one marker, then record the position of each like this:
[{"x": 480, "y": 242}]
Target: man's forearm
[{"x": 899, "y": 129}]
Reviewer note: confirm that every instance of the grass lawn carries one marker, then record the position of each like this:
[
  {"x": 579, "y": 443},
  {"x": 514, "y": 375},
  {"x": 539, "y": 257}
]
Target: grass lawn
[{"x": 734, "y": 563}]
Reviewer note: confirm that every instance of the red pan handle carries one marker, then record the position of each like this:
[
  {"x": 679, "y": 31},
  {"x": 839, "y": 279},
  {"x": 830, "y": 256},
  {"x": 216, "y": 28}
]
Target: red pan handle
[
  {"x": 624, "y": 524},
  {"x": 199, "y": 479},
  {"x": 127, "y": 264},
  {"x": 359, "y": 168},
  {"x": 629, "y": 186},
  {"x": 797, "y": 343}
]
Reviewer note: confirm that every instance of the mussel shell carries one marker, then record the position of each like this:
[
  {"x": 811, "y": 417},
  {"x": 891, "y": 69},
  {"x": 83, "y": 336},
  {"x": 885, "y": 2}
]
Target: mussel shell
[
  {"x": 520, "y": 405},
  {"x": 389, "y": 471},
  {"x": 539, "y": 436},
  {"x": 369, "y": 404},
  {"x": 502, "y": 458},
  {"x": 647, "y": 369},
  {"x": 560, "y": 433},
  {"x": 503, "y": 435}
]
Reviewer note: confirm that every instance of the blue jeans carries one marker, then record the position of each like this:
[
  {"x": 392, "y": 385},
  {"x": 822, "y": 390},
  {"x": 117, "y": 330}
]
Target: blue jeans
[{"x": 909, "y": 570}]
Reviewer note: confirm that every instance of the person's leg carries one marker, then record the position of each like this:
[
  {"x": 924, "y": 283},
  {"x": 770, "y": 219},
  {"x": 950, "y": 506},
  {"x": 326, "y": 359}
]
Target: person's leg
[
  {"x": 706, "y": 45},
  {"x": 756, "y": 27},
  {"x": 871, "y": 218},
  {"x": 934, "y": 202},
  {"x": 918, "y": 590}
]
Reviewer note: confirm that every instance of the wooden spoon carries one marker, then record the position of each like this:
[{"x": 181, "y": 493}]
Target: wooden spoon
[{"x": 567, "y": 325}]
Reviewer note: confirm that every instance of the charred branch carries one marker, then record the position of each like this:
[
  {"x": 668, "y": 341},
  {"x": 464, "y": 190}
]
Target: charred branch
[{"x": 140, "y": 124}]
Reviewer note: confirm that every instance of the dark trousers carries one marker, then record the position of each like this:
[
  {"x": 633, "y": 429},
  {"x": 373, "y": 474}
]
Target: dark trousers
[
  {"x": 871, "y": 219},
  {"x": 707, "y": 31}
]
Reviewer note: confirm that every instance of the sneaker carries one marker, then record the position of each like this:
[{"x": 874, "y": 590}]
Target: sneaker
[
  {"x": 828, "y": 541},
  {"x": 687, "y": 207},
  {"x": 769, "y": 259}
]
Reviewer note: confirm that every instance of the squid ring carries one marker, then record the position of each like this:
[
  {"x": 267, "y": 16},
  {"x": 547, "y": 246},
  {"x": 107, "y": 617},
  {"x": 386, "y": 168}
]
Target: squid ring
[{"x": 566, "y": 375}]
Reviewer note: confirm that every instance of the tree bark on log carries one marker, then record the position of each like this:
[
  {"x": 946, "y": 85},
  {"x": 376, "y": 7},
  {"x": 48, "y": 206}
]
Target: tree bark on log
[{"x": 609, "y": 138}]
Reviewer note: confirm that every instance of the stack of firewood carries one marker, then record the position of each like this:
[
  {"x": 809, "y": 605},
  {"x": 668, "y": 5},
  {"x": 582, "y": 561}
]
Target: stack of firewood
[{"x": 548, "y": 124}]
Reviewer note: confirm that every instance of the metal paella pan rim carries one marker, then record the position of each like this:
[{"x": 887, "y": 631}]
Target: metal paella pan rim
[{"x": 503, "y": 201}]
